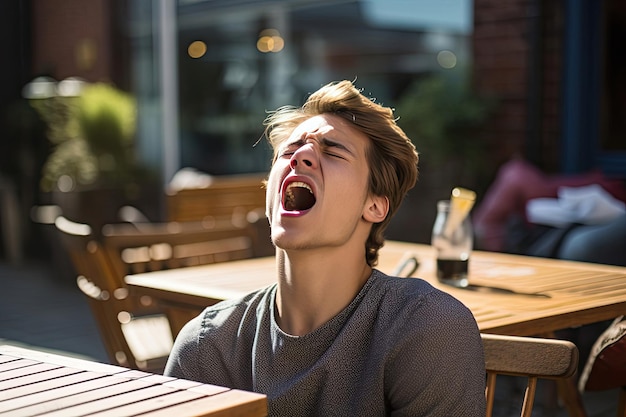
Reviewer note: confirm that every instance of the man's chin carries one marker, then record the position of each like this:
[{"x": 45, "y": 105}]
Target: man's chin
[{"x": 288, "y": 241}]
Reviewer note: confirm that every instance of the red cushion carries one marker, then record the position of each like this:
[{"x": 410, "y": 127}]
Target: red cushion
[
  {"x": 517, "y": 182},
  {"x": 606, "y": 367}
]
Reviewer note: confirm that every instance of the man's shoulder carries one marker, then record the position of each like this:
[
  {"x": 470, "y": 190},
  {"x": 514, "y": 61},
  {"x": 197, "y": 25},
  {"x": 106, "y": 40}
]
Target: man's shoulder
[
  {"x": 411, "y": 289},
  {"x": 415, "y": 309},
  {"x": 415, "y": 293},
  {"x": 235, "y": 309}
]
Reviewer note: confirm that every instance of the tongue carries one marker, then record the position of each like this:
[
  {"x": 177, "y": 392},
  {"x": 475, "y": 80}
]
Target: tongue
[{"x": 299, "y": 199}]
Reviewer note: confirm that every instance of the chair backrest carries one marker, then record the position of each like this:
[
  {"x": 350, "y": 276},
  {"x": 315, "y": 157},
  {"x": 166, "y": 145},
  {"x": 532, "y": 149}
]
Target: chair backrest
[
  {"x": 136, "y": 248},
  {"x": 225, "y": 195},
  {"x": 135, "y": 334},
  {"x": 528, "y": 357}
]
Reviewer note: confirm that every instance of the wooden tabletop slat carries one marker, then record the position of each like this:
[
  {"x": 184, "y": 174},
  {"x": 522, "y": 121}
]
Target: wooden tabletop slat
[
  {"x": 4, "y": 359},
  {"x": 141, "y": 407},
  {"x": 254, "y": 404},
  {"x": 207, "y": 389},
  {"x": 16, "y": 364},
  {"x": 28, "y": 370},
  {"x": 78, "y": 399},
  {"x": 42, "y": 386},
  {"x": 34, "y": 378},
  {"x": 98, "y": 400},
  {"x": 181, "y": 384},
  {"x": 69, "y": 361},
  {"x": 71, "y": 385},
  {"x": 135, "y": 374}
]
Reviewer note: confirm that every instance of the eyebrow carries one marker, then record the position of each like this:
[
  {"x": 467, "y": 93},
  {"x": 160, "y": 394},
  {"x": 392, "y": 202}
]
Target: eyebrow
[
  {"x": 332, "y": 144},
  {"x": 329, "y": 143}
]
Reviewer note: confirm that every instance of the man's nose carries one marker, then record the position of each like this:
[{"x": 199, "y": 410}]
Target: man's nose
[{"x": 304, "y": 157}]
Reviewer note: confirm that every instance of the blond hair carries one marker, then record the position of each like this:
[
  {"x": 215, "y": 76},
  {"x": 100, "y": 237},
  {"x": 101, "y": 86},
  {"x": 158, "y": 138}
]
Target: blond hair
[{"x": 391, "y": 156}]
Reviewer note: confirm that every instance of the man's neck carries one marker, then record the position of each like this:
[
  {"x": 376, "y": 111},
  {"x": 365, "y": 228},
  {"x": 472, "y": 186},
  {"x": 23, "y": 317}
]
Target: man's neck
[{"x": 315, "y": 285}]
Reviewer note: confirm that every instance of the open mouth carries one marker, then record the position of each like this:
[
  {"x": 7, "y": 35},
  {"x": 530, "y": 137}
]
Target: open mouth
[{"x": 298, "y": 197}]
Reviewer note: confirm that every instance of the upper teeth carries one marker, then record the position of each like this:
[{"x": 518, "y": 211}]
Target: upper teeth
[{"x": 300, "y": 184}]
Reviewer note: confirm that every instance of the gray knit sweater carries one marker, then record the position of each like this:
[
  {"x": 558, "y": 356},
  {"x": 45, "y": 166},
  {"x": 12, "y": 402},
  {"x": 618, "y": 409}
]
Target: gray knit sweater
[{"x": 401, "y": 348}]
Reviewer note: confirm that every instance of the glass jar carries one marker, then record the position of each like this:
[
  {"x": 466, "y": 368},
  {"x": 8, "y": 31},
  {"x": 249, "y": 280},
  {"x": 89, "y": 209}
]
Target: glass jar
[{"x": 453, "y": 244}]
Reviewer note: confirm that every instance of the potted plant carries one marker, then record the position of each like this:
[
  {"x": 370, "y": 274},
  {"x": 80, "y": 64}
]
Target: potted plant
[{"x": 92, "y": 169}]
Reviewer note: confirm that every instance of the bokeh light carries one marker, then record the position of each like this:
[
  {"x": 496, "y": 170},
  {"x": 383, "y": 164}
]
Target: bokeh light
[
  {"x": 196, "y": 49},
  {"x": 66, "y": 183},
  {"x": 446, "y": 59},
  {"x": 270, "y": 41}
]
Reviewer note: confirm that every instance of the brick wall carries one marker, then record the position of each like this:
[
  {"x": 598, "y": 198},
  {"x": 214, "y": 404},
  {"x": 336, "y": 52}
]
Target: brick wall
[
  {"x": 517, "y": 54},
  {"x": 72, "y": 38}
]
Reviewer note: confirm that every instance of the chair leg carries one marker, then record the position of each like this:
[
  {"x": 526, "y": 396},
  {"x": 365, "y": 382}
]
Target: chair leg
[
  {"x": 529, "y": 397},
  {"x": 568, "y": 392},
  {"x": 571, "y": 398},
  {"x": 621, "y": 405},
  {"x": 490, "y": 393}
]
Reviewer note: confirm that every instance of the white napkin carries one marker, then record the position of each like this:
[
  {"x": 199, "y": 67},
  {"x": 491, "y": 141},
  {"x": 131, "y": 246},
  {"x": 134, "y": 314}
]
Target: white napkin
[{"x": 590, "y": 204}]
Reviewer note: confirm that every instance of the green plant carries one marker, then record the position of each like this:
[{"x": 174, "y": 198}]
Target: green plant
[
  {"x": 444, "y": 116},
  {"x": 93, "y": 136}
]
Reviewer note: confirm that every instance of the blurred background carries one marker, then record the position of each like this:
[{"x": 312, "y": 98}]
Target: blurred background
[{"x": 109, "y": 99}]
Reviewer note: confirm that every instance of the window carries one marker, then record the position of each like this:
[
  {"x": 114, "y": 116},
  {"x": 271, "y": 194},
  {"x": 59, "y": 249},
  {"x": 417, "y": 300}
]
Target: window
[{"x": 239, "y": 59}]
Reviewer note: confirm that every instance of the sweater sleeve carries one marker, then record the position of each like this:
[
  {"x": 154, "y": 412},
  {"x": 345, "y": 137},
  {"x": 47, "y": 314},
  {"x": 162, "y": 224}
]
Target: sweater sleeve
[
  {"x": 437, "y": 368},
  {"x": 185, "y": 352}
]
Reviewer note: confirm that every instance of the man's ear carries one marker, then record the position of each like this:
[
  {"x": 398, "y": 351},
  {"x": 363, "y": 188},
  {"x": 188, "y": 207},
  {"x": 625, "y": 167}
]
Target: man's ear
[{"x": 376, "y": 208}]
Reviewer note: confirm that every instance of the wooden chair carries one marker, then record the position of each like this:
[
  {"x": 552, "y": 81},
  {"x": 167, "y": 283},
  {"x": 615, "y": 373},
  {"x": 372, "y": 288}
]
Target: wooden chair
[
  {"x": 136, "y": 248},
  {"x": 529, "y": 357},
  {"x": 135, "y": 333},
  {"x": 224, "y": 196},
  {"x": 143, "y": 247}
]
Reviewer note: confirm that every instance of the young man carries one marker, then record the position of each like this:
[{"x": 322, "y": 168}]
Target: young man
[{"x": 334, "y": 336}]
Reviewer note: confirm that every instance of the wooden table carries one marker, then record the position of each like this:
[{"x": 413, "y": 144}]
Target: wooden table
[
  {"x": 571, "y": 293},
  {"x": 566, "y": 294},
  {"x": 34, "y": 382}
]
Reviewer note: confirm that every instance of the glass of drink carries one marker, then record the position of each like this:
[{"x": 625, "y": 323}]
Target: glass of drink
[{"x": 453, "y": 241}]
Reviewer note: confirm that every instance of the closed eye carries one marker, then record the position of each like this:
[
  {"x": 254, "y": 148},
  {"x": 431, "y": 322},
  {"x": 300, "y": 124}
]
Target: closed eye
[
  {"x": 291, "y": 148},
  {"x": 335, "y": 149},
  {"x": 329, "y": 147},
  {"x": 334, "y": 154}
]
